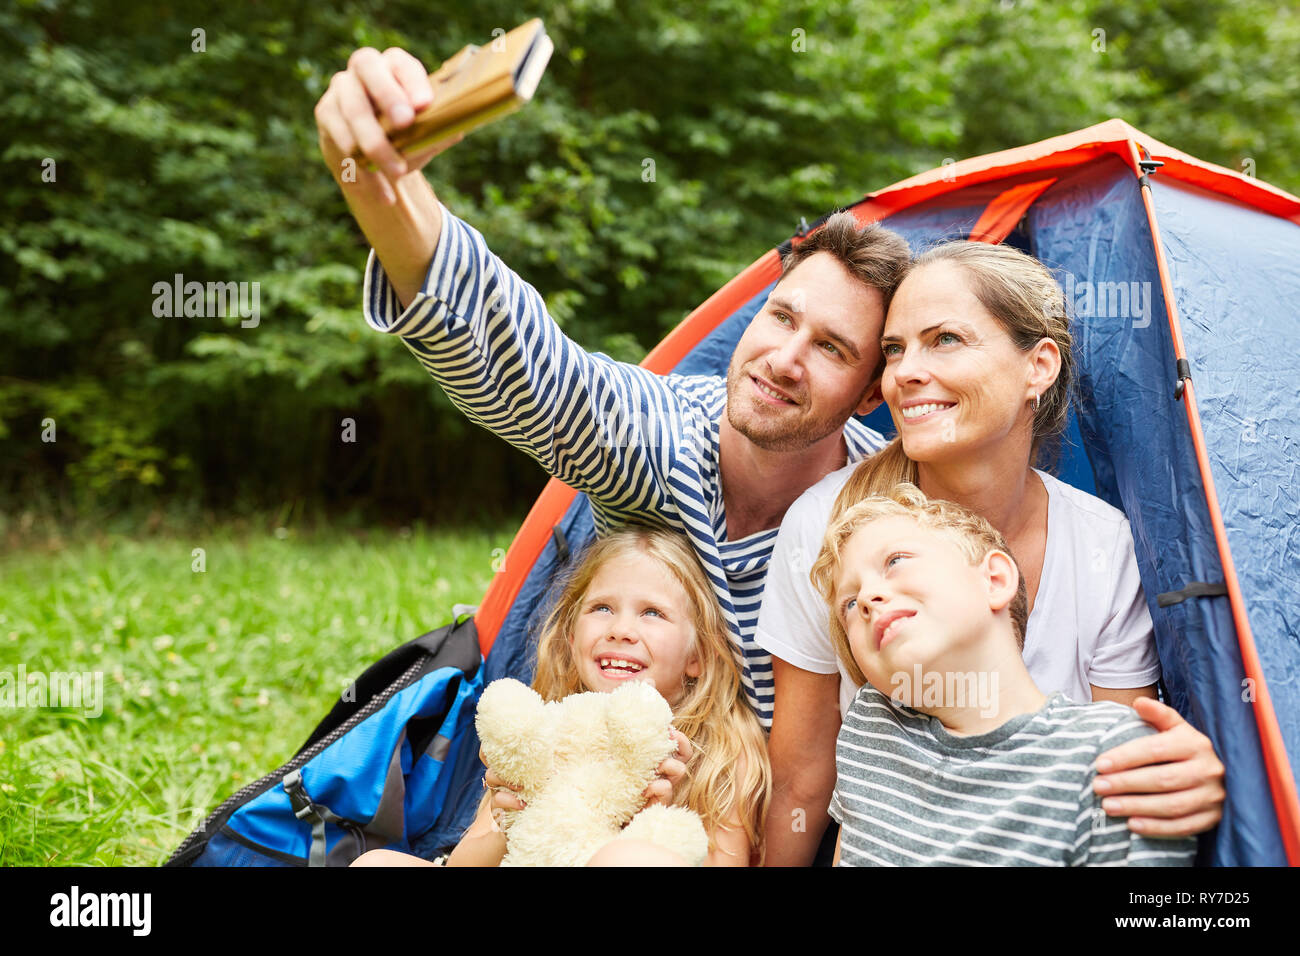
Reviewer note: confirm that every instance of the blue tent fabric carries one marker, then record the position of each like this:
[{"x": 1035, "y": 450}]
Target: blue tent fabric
[
  {"x": 1236, "y": 277},
  {"x": 1235, "y": 330},
  {"x": 1095, "y": 228}
]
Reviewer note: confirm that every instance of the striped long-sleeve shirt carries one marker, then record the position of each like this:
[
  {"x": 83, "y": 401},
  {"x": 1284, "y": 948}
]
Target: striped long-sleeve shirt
[
  {"x": 642, "y": 446},
  {"x": 910, "y": 793}
]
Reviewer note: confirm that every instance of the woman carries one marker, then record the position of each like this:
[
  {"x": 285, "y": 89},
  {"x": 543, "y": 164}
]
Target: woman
[{"x": 977, "y": 374}]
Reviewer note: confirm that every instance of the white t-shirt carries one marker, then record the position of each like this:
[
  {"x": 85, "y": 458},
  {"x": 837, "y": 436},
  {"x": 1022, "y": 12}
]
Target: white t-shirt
[{"x": 1090, "y": 623}]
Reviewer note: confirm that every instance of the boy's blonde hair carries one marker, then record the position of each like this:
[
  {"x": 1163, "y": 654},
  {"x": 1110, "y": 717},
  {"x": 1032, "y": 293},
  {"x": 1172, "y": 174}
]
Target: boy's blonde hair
[
  {"x": 724, "y": 732},
  {"x": 972, "y": 534}
]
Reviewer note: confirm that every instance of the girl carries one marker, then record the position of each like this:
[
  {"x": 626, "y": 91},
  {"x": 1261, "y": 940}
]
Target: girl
[{"x": 638, "y": 606}]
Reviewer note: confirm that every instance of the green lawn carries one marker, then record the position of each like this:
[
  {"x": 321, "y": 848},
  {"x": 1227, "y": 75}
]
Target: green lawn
[{"x": 210, "y": 679}]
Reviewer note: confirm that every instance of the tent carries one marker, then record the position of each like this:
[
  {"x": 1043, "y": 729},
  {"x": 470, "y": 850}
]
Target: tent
[{"x": 1183, "y": 278}]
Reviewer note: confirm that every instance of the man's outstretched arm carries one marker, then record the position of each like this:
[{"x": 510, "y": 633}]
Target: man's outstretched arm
[
  {"x": 395, "y": 206},
  {"x": 603, "y": 427}
]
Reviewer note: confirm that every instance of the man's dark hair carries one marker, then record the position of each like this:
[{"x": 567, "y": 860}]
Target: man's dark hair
[{"x": 873, "y": 255}]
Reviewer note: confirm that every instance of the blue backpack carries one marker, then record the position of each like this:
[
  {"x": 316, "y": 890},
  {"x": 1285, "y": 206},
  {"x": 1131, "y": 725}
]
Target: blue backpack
[{"x": 374, "y": 774}]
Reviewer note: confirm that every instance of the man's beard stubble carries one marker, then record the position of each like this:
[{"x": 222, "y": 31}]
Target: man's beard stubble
[{"x": 779, "y": 436}]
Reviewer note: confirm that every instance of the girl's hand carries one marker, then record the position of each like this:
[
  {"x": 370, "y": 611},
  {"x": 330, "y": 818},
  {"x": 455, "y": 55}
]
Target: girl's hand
[
  {"x": 1171, "y": 782},
  {"x": 672, "y": 772},
  {"x": 504, "y": 795}
]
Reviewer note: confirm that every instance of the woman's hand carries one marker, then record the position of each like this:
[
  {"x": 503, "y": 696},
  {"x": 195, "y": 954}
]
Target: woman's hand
[
  {"x": 1169, "y": 784},
  {"x": 672, "y": 772}
]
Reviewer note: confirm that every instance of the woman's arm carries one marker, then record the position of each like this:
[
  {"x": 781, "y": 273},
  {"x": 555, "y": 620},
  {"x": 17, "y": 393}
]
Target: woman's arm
[
  {"x": 1171, "y": 782},
  {"x": 794, "y": 627},
  {"x": 805, "y": 722},
  {"x": 1107, "y": 842},
  {"x": 1122, "y": 695}
]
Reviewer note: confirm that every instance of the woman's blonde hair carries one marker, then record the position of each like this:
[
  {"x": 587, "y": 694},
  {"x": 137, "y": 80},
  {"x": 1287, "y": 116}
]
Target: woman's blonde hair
[
  {"x": 724, "y": 732},
  {"x": 1022, "y": 295}
]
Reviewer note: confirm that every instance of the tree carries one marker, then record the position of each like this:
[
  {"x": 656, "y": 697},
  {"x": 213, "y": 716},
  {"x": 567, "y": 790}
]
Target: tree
[{"x": 669, "y": 146}]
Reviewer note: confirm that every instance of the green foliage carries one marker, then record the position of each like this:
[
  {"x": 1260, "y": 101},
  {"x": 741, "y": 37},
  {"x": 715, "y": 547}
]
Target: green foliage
[
  {"x": 1217, "y": 80},
  {"x": 750, "y": 113}
]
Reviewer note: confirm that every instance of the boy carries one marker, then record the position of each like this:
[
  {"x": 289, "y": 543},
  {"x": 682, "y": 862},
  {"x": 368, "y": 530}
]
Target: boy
[{"x": 949, "y": 753}]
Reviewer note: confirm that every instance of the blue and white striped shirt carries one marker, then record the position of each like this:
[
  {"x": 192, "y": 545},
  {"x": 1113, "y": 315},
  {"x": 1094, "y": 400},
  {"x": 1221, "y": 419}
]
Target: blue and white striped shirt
[{"x": 640, "y": 445}]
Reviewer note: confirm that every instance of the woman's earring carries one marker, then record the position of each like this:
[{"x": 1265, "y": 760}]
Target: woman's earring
[{"x": 1036, "y": 398}]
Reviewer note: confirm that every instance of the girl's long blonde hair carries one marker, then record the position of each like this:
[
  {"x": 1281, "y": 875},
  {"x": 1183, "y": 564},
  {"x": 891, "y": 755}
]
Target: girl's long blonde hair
[
  {"x": 1021, "y": 294},
  {"x": 728, "y": 774}
]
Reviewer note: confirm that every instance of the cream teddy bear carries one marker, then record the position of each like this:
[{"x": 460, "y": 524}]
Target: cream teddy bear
[{"x": 582, "y": 764}]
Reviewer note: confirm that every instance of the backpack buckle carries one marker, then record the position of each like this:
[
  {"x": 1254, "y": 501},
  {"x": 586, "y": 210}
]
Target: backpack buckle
[{"x": 298, "y": 799}]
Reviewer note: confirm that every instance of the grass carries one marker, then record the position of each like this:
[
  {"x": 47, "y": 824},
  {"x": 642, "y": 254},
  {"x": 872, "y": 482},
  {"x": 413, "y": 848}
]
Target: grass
[{"x": 211, "y": 677}]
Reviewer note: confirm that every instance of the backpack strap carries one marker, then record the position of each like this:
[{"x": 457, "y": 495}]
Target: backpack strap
[
  {"x": 315, "y": 814},
  {"x": 387, "y": 826}
]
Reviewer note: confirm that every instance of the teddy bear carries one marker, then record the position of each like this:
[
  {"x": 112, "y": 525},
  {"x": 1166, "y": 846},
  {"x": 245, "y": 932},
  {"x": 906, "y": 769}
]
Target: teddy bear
[{"x": 582, "y": 764}]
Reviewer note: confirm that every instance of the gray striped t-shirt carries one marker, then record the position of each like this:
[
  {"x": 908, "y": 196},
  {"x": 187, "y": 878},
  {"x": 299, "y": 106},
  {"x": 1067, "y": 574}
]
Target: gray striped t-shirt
[{"x": 910, "y": 793}]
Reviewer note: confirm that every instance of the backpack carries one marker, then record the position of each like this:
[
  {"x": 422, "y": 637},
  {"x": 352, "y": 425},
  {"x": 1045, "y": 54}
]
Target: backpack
[{"x": 375, "y": 773}]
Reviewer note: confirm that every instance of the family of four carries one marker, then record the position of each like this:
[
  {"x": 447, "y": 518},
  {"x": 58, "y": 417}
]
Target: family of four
[{"x": 939, "y": 646}]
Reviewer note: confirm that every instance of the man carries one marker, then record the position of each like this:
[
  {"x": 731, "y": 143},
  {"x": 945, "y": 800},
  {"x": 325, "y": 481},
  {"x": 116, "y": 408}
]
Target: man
[
  {"x": 719, "y": 460},
  {"x": 640, "y": 445}
]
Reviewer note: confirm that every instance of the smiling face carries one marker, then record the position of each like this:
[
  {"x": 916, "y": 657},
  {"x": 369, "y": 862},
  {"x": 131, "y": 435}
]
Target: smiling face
[
  {"x": 955, "y": 382},
  {"x": 635, "y": 623},
  {"x": 907, "y": 596},
  {"x": 804, "y": 364}
]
